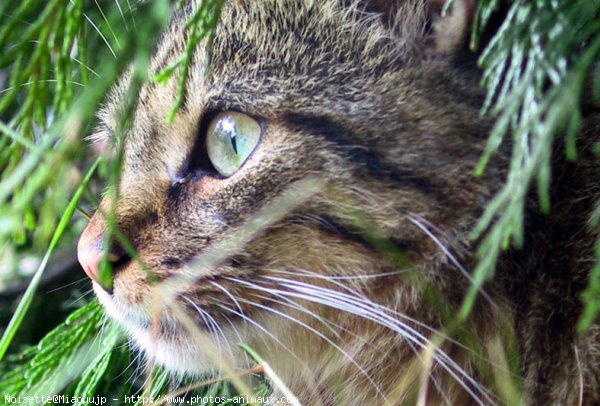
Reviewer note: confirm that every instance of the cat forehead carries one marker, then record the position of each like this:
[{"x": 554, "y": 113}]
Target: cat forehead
[{"x": 277, "y": 49}]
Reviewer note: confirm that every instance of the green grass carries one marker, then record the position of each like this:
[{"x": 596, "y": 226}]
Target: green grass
[{"x": 27, "y": 298}]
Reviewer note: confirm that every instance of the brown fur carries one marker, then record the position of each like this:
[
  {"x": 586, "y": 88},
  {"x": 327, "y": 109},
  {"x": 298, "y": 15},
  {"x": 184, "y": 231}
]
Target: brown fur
[{"x": 362, "y": 102}]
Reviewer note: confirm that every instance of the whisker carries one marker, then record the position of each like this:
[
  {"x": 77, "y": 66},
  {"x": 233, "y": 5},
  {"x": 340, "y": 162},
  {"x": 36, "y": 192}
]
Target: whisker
[
  {"x": 209, "y": 325},
  {"x": 328, "y": 323},
  {"x": 238, "y": 335},
  {"x": 322, "y": 336},
  {"x": 139, "y": 371},
  {"x": 418, "y": 221},
  {"x": 101, "y": 35},
  {"x": 67, "y": 285},
  {"x": 391, "y": 311},
  {"x": 210, "y": 320},
  {"x": 86, "y": 66},
  {"x": 264, "y": 330},
  {"x": 133, "y": 362},
  {"x": 294, "y": 305},
  {"x": 365, "y": 305},
  {"x": 131, "y": 14},
  {"x": 233, "y": 299},
  {"x": 83, "y": 295},
  {"x": 220, "y": 331},
  {"x": 270, "y": 335},
  {"x": 329, "y": 341},
  {"x": 361, "y": 277},
  {"x": 353, "y": 277},
  {"x": 367, "y": 309}
]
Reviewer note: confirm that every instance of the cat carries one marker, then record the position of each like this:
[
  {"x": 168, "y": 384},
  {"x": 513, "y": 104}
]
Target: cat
[{"x": 314, "y": 197}]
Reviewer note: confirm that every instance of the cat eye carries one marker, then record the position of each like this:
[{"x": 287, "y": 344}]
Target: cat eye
[{"x": 230, "y": 139}]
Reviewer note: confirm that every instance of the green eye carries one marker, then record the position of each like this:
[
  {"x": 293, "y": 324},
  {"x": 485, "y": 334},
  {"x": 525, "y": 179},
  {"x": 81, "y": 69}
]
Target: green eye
[{"x": 230, "y": 140}]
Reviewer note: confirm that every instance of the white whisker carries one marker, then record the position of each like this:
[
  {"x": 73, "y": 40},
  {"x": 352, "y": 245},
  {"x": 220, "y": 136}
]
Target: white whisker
[
  {"x": 138, "y": 355},
  {"x": 238, "y": 335},
  {"x": 211, "y": 325},
  {"x": 129, "y": 10},
  {"x": 374, "y": 312},
  {"x": 264, "y": 330},
  {"x": 322, "y": 336},
  {"x": 418, "y": 221},
  {"x": 68, "y": 284},
  {"x": 83, "y": 295},
  {"x": 391, "y": 311},
  {"x": 229, "y": 295},
  {"x": 85, "y": 66},
  {"x": 294, "y": 305}
]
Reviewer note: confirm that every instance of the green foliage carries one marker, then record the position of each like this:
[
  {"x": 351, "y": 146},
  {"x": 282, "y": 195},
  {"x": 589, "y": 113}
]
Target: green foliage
[
  {"x": 199, "y": 26},
  {"x": 28, "y": 296},
  {"x": 80, "y": 359},
  {"x": 42, "y": 369},
  {"x": 39, "y": 62},
  {"x": 47, "y": 107},
  {"x": 536, "y": 68}
]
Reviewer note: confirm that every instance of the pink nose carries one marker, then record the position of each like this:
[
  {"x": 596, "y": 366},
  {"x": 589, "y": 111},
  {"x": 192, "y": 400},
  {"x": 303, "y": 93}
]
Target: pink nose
[
  {"x": 90, "y": 260},
  {"x": 91, "y": 254}
]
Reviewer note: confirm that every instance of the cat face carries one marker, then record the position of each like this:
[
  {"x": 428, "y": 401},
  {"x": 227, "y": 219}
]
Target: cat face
[{"x": 310, "y": 131}]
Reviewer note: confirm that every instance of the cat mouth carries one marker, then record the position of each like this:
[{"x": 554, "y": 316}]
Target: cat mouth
[
  {"x": 182, "y": 340},
  {"x": 203, "y": 310}
]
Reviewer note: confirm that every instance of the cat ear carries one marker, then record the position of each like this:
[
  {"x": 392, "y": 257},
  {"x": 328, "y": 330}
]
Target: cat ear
[{"x": 440, "y": 33}]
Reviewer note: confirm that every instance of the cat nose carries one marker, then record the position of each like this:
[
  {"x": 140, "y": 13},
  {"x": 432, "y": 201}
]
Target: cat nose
[{"x": 90, "y": 253}]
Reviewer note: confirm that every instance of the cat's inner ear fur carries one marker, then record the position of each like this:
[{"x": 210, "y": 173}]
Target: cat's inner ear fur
[{"x": 441, "y": 33}]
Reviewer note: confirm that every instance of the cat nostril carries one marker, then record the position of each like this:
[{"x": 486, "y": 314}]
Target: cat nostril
[
  {"x": 118, "y": 257},
  {"x": 90, "y": 261},
  {"x": 91, "y": 252},
  {"x": 102, "y": 272},
  {"x": 90, "y": 258}
]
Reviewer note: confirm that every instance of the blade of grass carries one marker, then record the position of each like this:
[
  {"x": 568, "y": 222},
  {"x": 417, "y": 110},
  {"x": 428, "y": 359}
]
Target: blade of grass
[
  {"x": 276, "y": 380},
  {"x": 23, "y": 306},
  {"x": 16, "y": 136}
]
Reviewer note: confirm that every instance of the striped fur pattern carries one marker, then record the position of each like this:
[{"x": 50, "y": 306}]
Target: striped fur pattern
[{"x": 349, "y": 294}]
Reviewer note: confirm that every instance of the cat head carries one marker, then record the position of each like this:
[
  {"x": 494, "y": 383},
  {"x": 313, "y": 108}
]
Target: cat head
[{"x": 310, "y": 131}]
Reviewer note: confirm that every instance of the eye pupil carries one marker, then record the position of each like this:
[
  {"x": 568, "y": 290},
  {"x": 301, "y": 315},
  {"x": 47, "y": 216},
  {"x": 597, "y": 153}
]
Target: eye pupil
[
  {"x": 230, "y": 139},
  {"x": 234, "y": 143}
]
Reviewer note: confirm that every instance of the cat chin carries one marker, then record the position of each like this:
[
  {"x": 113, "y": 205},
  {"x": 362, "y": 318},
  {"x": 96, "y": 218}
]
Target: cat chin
[
  {"x": 179, "y": 353},
  {"x": 182, "y": 358}
]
